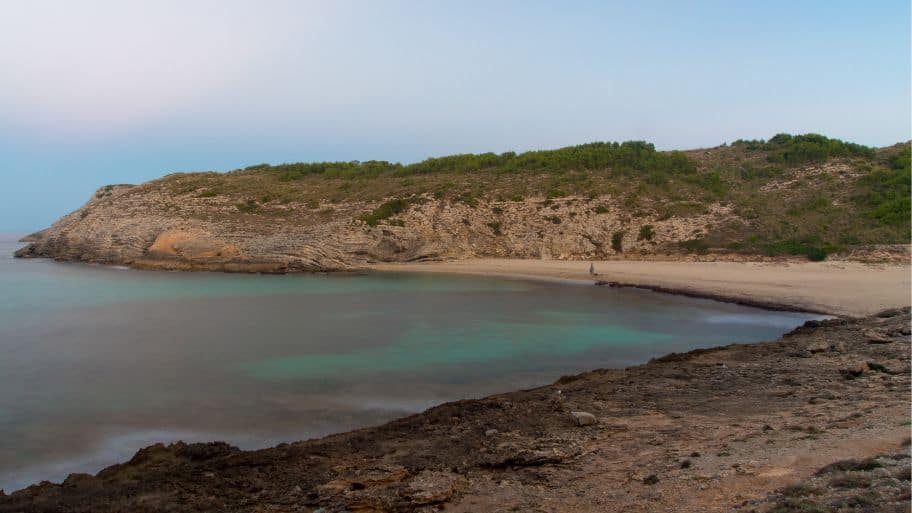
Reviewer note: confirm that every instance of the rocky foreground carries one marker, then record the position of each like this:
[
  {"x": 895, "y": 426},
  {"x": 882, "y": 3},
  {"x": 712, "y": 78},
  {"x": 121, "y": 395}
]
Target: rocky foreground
[{"x": 817, "y": 421}]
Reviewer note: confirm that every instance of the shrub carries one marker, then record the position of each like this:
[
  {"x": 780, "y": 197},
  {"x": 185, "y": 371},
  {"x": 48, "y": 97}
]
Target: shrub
[
  {"x": 495, "y": 227},
  {"x": 815, "y": 254},
  {"x": 798, "y": 505},
  {"x": 876, "y": 367},
  {"x": 617, "y": 241},
  {"x": 384, "y": 211},
  {"x": 849, "y": 465},
  {"x": 885, "y": 195},
  {"x": 810, "y": 247},
  {"x": 468, "y": 198},
  {"x": 623, "y": 158},
  {"x": 800, "y": 149},
  {"x": 850, "y": 481},
  {"x": 797, "y": 490},
  {"x": 248, "y": 207},
  {"x": 646, "y": 233},
  {"x": 601, "y": 209},
  {"x": 698, "y": 246},
  {"x": 711, "y": 182},
  {"x": 555, "y": 193}
]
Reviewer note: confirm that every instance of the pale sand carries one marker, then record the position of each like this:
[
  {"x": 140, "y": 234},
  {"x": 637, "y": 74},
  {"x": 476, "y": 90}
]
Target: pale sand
[{"x": 839, "y": 288}]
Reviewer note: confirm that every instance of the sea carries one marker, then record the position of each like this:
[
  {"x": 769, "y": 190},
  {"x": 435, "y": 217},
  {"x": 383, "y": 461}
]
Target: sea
[{"x": 97, "y": 362}]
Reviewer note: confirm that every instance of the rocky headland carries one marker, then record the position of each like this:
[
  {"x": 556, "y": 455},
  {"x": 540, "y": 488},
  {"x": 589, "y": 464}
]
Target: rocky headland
[{"x": 805, "y": 197}]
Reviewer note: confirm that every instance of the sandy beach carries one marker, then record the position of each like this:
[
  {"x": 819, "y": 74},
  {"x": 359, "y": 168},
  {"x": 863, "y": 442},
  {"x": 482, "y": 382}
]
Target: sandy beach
[{"x": 838, "y": 288}]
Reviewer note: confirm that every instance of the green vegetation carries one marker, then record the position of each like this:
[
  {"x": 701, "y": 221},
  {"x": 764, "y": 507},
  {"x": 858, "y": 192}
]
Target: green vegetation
[
  {"x": 495, "y": 227},
  {"x": 803, "y": 195},
  {"x": 793, "y": 505},
  {"x": 385, "y": 211},
  {"x": 850, "y": 465},
  {"x": 801, "y": 149},
  {"x": 623, "y": 158},
  {"x": 617, "y": 241},
  {"x": 885, "y": 193},
  {"x": 646, "y": 233},
  {"x": 248, "y": 207},
  {"x": 698, "y": 246},
  {"x": 810, "y": 247}
]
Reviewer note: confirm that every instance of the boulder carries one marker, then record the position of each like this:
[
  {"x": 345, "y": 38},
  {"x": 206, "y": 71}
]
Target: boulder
[
  {"x": 854, "y": 371},
  {"x": 583, "y": 418},
  {"x": 877, "y": 337},
  {"x": 433, "y": 487},
  {"x": 818, "y": 346}
]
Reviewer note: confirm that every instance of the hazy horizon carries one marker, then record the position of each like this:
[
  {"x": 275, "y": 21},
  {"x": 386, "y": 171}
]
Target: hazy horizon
[{"x": 122, "y": 92}]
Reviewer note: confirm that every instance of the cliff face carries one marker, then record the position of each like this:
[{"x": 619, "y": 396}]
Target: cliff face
[{"x": 149, "y": 227}]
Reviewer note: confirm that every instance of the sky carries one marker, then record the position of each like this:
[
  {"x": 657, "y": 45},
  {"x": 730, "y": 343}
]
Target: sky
[{"x": 97, "y": 92}]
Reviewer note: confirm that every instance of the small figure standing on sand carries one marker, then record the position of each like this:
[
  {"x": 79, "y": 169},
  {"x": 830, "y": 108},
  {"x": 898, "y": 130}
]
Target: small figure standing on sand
[{"x": 592, "y": 269}]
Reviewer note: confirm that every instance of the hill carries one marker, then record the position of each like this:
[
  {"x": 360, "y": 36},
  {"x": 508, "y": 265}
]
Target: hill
[{"x": 806, "y": 196}]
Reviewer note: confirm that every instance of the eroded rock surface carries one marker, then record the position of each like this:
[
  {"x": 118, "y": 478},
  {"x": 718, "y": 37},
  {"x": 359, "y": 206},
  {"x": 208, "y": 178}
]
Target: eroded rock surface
[{"x": 150, "y": 226}]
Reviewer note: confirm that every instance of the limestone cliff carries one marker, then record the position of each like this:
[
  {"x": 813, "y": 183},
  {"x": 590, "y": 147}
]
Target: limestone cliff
[{"x": 144, "y": 226}]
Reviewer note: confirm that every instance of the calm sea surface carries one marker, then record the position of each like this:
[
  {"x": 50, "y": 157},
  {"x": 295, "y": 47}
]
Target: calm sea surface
[{"x": 97, "y": 362}]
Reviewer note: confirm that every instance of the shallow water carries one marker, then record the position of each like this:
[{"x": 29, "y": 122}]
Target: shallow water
[{"x": 97, "y": 362}]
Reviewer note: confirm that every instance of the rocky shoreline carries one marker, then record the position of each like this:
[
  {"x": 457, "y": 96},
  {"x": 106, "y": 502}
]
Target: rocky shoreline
[
  {"x": 710, "y": 430},
  {"x": 767, "y": 305}
]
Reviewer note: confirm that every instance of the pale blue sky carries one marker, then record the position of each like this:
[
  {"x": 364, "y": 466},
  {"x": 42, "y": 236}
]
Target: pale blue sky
[{"x": 97, "y": 92}]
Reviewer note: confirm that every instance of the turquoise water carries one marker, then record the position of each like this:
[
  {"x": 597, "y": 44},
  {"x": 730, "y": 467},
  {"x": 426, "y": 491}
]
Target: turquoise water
[{"x": 97, "y": 362}]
